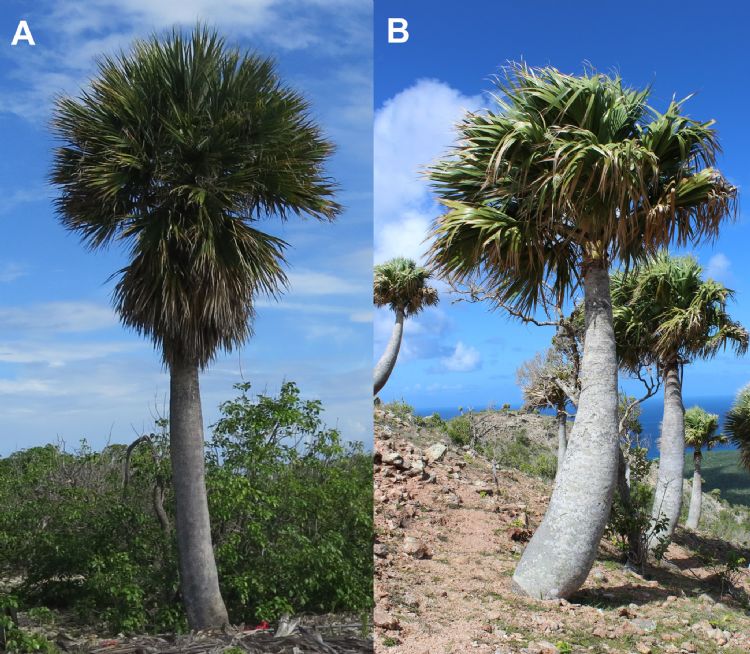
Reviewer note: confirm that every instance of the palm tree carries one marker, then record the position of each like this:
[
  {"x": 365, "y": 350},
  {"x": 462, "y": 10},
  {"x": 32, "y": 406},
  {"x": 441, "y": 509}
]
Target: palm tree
[
  {"x": 737, "y": 425},
  {"x": 539, "y": 379},
  {"x": 176, "y": 150},
  {"x": 565, "y": 176},
  {"x": 401, "y": 285},
  {"x": 676, "y": 316},
  {"x": 700, "y": 433}
]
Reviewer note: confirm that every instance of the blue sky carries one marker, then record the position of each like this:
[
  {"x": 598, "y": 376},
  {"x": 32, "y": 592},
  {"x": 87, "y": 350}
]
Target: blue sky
[
  {"x": 67, "y": 369},
  {"x": 462, "y": 355}
]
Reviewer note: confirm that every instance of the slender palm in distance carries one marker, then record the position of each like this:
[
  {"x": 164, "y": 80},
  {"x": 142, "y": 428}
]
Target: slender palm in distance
[
  {"x": 401, "y": 285},
  {"x": 539, "y": 379},
  {"x": 701, "y": 430},
  {"x": 564, "y": 176},
  {"x": 177, "y": 149},
  {"x": 674, "y": 316}
]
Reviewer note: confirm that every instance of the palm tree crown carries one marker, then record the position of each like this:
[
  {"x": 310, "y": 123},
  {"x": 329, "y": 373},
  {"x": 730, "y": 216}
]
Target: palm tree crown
[
  {"x": 177, "y": 149},
  {"x": 402, "y": 285},
  {"x": 665, "y": 310},
  {"x": 701, "y": 428},
  {"x": 570, "y": 170},
  {"x": 737, "y": 425}
]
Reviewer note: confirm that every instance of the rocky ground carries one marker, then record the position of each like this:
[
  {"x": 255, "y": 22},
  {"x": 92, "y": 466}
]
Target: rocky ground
[
  {"x": 302, "y": 635},
  {"x": 448, "y": 538}
]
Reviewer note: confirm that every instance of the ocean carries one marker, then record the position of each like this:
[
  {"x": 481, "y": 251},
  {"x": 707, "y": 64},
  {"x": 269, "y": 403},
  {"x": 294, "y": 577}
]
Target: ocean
[{"x": 651, "y": 414}]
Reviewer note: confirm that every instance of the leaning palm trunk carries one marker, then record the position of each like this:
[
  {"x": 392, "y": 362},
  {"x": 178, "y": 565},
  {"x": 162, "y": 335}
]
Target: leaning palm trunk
[
  {"x": 668, "y": 493},
  {"x": 559, "y": 556},
  {"x": 199, "y": 581},
  {"x": 562, "y": 438},
  {"x": 387, "y": 362},
  {"x": 694, "y": 515}
]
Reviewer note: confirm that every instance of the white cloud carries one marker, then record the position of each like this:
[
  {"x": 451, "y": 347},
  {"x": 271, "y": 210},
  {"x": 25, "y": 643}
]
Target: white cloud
[
  {"x": 719, "y": 268},
  {"x": 59, "y": 354},
  {"x": 10, "y": 272},
  {"x": 58, "y": 317},
  {"x": 78, "y": 32},
  {"x": 465, "y": 358},
  {"x": 310, "y": 282},
  {"x": 361, "y": 316},
  {"x": 412, "y": 130}
]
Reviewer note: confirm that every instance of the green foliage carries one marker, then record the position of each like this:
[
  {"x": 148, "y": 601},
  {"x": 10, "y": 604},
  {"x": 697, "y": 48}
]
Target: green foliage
[
  {"x": 402, "y": 285},
  {"x": 737, "y": 425},
  {"x": 521, "y": 453},
  {"x": 14, "y": 639},
  {"x": 701, "y": 428},
  {"x": 459, "y": 429},
  {"x": 400, "y": 409},
  {"x": 630, "y": 525},
  {"x": 566, "y": 169},
  {"x": 176, "y": 149},
  {"x": 291, "y": 515},
  {"x": 664, "y": 311},
  {"x": 291, "y": 507},
  {"x": 435, "y": 421}
]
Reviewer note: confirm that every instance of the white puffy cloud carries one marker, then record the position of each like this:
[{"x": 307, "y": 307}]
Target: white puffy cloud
[
  {"x": 412, "y": 130},
  {"x": 719, "y": 267},
  {"x": 465, "y": 358}
]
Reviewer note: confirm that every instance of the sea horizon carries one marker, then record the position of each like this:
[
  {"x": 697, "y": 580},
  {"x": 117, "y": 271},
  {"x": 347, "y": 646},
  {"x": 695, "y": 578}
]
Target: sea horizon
[{"x": 651, "y": 416}]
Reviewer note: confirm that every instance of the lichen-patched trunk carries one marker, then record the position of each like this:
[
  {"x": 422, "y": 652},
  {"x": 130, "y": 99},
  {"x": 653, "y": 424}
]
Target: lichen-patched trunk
[
  {"x": 668, "y": 493},
  {"x": 694, "y": 515},
  {"x": 562, "y": 438},
  {"x": 386, "y": 363},
  {"x": 199, "y": 581},
  {"x": 561, "y": 552}
]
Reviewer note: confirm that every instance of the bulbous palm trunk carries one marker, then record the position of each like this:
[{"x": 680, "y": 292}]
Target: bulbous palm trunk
[
  {"x": 562, "y": 438},
  {"x": 387, "y": 362},
  {"x": 696, "y": 494},
  {"x": 559, "y": 556},
  {"x": 199, "y": 580},
  {"x": 668, "y": 493}
]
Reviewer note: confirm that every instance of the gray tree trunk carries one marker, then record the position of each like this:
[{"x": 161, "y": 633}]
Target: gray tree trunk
[
  {"x": 559, "y": 556},
  {"x": 562, "y": 438},
  {"x": 696, "y": 494},
  {"x": 199, "y": 580},
  {"x": 668, "y": 493},
  {"x": 386, "y": 363}
]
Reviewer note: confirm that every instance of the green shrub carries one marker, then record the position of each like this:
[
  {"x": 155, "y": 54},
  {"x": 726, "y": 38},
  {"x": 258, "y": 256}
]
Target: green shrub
[
  {"x": 435, "y": 421},
  {"x": 14, "y": 639},
  {"x": 400, "y": 409},
  {"x": 459, "y": 430},
  {"x": 291, "y": 510}
]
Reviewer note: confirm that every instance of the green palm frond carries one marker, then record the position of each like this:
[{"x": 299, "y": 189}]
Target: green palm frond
[
  {"x": 737, "y": 425},
  {"x": 402, "y": 285},
  {"x": 569, "y": 170},
  {"x": 701, "y": 428},
  {"x": 177, "y": 149},
  {"x": 664, "y": 310}
]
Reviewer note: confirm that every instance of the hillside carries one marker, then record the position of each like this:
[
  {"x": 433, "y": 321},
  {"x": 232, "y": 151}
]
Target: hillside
[
  {"x": 721, "y": 469},
  {"x": 448, "y": 538}
]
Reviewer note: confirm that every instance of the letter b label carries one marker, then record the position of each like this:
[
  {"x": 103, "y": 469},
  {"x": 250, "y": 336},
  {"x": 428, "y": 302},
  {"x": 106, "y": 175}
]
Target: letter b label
[{"x": 397, "y": 32}]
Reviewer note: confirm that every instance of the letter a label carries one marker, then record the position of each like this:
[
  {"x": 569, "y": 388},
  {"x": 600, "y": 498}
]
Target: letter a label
[{"x": 23, "y": 33}]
